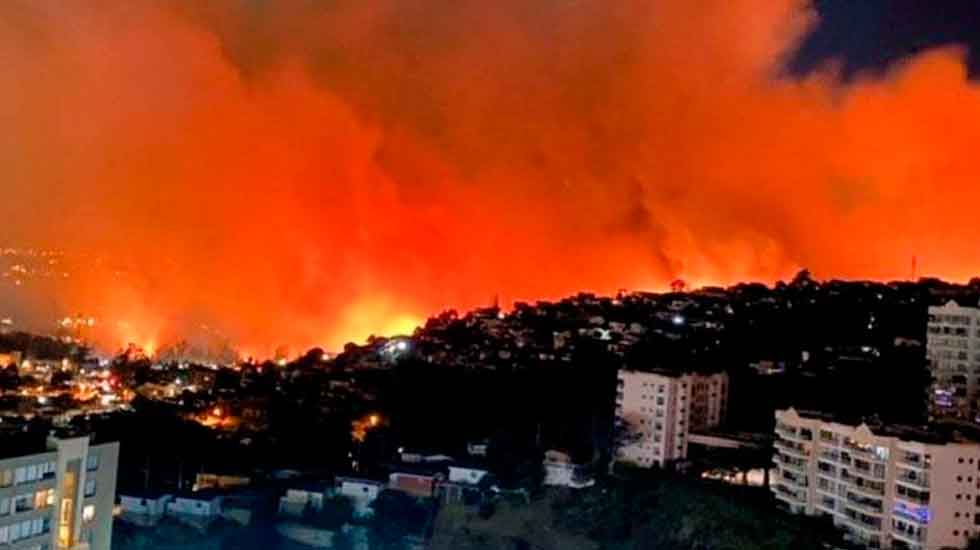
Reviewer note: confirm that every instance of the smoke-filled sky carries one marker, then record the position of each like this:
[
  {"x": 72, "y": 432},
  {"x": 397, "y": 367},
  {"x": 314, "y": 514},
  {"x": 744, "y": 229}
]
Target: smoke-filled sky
[{"x": 310, "y": 172}]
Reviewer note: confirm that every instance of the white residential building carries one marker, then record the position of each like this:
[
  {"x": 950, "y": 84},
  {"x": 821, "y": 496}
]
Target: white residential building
[
  {"x": 468, "y": 474},
  {"x": 658, "y": 409},
  {"x": 561, "y": 471},
  {"x": 361, "y": 492},
  {"x": 57, "y": 495},
  {"x": 887, "y": 487},
  {"x": 196, "y": 505},
  {"x": 302, "y": 497},
  {"x": 953, "y": 349},
  {"x": 144, "y": 507}
]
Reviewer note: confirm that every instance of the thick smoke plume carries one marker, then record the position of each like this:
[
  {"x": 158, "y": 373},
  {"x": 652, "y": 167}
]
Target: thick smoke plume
[{"x": 311, "y": 172}]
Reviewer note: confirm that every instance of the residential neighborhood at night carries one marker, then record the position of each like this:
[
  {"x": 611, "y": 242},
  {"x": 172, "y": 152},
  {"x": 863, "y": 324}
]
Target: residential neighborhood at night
[{"x": 489, "y": 275}]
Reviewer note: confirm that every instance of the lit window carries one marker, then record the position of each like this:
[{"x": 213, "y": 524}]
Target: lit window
[{"x": 88, "y": 513}]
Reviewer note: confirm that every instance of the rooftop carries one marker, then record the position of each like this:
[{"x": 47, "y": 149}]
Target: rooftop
[
  {"x": 205, "y": 494},
  {"x": 424, "y": 469},
  {"x": 150, "y": 494},
  {"x": 309, "y": 485},
  {"x": 674, "y": 373},
  {"x": 940, "y": 432}
]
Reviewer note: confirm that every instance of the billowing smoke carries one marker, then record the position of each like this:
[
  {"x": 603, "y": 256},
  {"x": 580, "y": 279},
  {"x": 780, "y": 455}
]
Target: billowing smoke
[{"x": 311, "y": 172}]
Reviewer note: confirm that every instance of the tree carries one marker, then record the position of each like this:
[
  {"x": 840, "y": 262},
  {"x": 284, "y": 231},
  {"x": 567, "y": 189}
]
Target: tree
[
  {"x": 60, "y": 378},
  {"x": 641, "y": 512},
  {"x": 227, "y": 379},
  {"x": 515, "y": 462},
  {"x": 336, "y": 512},
  {"x": 397, "y": 516},
  {"x": 342, "y": 540},
  {"x": 9, "y": 378},
  {"x": 803, "y": 279},
  {"x": 310, "y": 359}
]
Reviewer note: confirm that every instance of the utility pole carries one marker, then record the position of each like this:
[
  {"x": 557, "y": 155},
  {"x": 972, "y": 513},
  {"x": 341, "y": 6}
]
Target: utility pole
[
  {"x": 180, "y": 474},
  {"x": 146, "y": 474}
]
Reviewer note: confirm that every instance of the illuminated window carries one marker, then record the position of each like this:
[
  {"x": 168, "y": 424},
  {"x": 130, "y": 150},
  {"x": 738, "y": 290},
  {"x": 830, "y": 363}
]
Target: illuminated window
[
  {"x": 65, "y": 510},
  {"x": 88, "y": 513}
]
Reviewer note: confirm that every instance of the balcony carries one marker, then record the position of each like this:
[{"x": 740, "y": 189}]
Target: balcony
[
  {"x": 790, "y": 463},
  {"x": 788, "y": 493},
  {"x": 787, "y": 433},
  {"x": 915, "y": 479},
  {"x": 853, "y": 475},
  {"x": 830, "y": 454},
  {"x": 797, "y": 480},
  {"x": 865, "y": 504},
  {"x": 913, "y": 460},
  {"x": 794, "y": 449},
  {"x": 866, "y": 489},
  {"x": 913, "y": 538},
  {"x": 867, "y": 452},
  {"x": 857, "y": 519}
]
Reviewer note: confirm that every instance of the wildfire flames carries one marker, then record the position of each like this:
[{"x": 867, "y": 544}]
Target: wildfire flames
[{"x": 309, "y": 173}]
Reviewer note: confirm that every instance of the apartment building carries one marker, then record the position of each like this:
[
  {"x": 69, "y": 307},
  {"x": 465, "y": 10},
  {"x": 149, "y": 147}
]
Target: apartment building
[
  {"x": 658, "y": 409},
  {"x": 56, "y": 494},
  {"x": 886, "y": 487},
  {"x": 953, "y": 350}
]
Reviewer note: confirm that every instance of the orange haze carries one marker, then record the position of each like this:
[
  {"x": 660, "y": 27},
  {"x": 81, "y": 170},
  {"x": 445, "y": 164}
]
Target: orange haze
[{"x": 312, "y": 172}]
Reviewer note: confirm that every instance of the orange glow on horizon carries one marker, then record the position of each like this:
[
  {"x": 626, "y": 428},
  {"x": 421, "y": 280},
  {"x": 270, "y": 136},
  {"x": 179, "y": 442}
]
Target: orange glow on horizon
[{"x": 280, "y": 179}]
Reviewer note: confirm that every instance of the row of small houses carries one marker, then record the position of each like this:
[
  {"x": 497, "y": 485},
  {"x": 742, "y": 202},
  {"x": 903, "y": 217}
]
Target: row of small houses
[{"x": 423, "y": 476}]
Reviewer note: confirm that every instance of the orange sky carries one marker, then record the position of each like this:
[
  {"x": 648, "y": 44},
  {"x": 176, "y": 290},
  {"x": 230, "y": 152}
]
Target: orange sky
[{"x": 309, "y": 173}]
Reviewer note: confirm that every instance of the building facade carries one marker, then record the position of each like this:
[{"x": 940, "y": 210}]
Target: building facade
[
  {"x": 657, "y": 410},
  {"x": 59, "y": 497},
  {"x": 888, "y": 487},
  {"x": 953, "y": 350}
]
